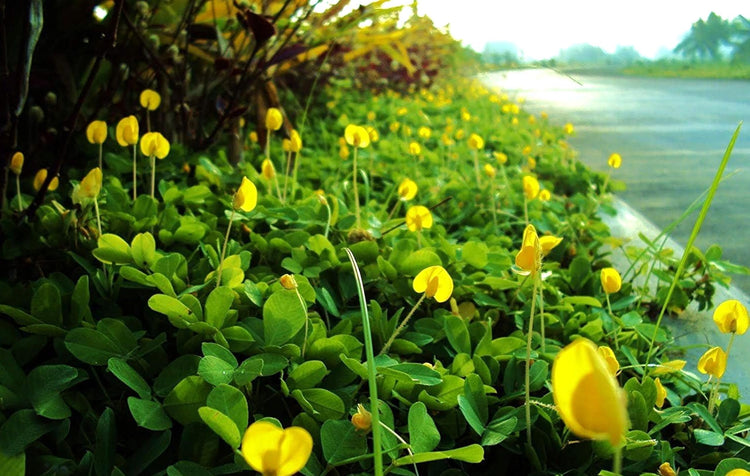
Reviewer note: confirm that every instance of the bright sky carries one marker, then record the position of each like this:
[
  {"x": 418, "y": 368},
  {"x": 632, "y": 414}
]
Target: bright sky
[{"x": 541, "y": 28}]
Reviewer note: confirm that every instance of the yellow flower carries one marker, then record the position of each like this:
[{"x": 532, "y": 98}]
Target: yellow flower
[
  {"x": 738, "y": 472},
  {"x": 154, "y": 144},
  {"x": 39, "y": 179},
  {"x": 532, "y": 163},
  {"x": 371, "y": 116},
  {"x": 530, "y": 187},
  {"x": 288, "y": 282},
  {"x": 126, "y": 131},
  {"x": 476, "y": 142},
  {"x": 274, "y": 119},
  {"x": 568, "y": 128},
  {"x": 586, "y": 394},
  {"x": 545, "y": 195},
  {"x": 614, "y": 161},
  {"x": 526, "y": 150},
  {"x": 665, "y": 469},
  {"x": 609, "y": 358},
  {"x": 267, "y": 169},
  {"x": 514, "y": 121},
  {"x": 529, "y": 258},
  {"x": 661, "y": 393},
  {"x": 489, "y": 171},
  {"x": 253, "y": 136},
  {"x": 501, "y": 158},
  {"x": 548, "y": 242},
  {"x": 362, "y": 420},
  {"x": 543, "y": 115},
  {"x": 356, "y": 136},
  {"x": 731, "y": 316},
  {"x": 611, "y": 280},
  {"x": 273, "y": 451},
  {"x": 414, "y": 148},
  {"x": 295, "y": 141},
  {"x": 90, "y": 186},
  {"x": 344, "y": 152},
  {"x": 96, "y": 132},
  {"x": 418, "y": 218},
  {"x": 713, "y": 362},
  {"x": 246, "y": 196},
  {"x": 373, "y": 133},
  {"x": 446, "y": 140},
  {"x": 16, "y": 163},
  {"x": 150, "y": 99},
  {"x": 407, "y": 190},
  {"x": 435, "y": 282},
  {"x": 394, "y": 126},
  {"x": 460, "y": 134},
  {"x": 669, "y": 367},
  {"x": 424, "y": 132},
  {"x": 514, "y": 108},
  {"x": 401, "y": 111}
]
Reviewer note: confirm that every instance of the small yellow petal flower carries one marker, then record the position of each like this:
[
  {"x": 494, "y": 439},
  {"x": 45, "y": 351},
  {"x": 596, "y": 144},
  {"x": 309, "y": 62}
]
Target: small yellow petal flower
[
  {"x": 153, "y": 143},
  {"x": 532, "y": 163},
  {"x": 587, "y": 396},
  {"x": 344, "y": 152},
  {"x": 253, "y": 136},
  {"x": 489, "y": 171},
  {"x": 568, "y": 128},
  {"x": 415, "y": 148},
  {"x": 267, "y": 169},
  {"x": 96, "y": 132},
  {"x": 126, "y": 131},
  {"x": 731, "y": 316},
  {"x": 661, "y": 393},
  {"x": 150, "y": 99},
  {"x": 545, "y": 195},
  {"x": 373, "y": 133},
  {"x": 713, "y": 362},
  {"x": 288, "y": 282},
  {"x": 91, "y": 184},
  {"x": 16, "y": 163},
  {"x": 401, "y": 111},
  {"x": 530, "y": 187},
  {"x": 295, "y": 141},
  {"x": 611, "y": 280},
  {"x": 476, "y": 142},
  {"x": 526, "y": 150},
  {"x": 394, "y": 127},
  {"x": 274, "y": 119},
  {"x": 407, "y": 190},
  {"x": 614, "y": 161},
  {"x": 356, "y": 136},
  {"x": 435, "y": 282},
  {"x": 665, "y": 469},
  {"x": 460, "y": 134},
  {"x": 39, "y": 179},
  {"x": 273, "y": 451},
  {"x": 738, "y": 472},
  {"x": 548, "y": 242},
  {"x": 501, "y": 158},
  {"x": 362, "y": 420},
  {"x": 609, "y": 358},
  {"x": 371, "y": 116},
  {"x": 418, "y": 218},
  {"x": 246, "y": 196},
  {"x": 530, "y": 256},
  {"x": 424, "y": 132}
]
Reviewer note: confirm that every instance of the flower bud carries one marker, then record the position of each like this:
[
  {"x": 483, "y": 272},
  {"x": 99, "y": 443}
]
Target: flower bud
[
  {"x": 362, "y": 420},
  {"x": 16, "y": 163},
  {"x": 288, "y": 282}
]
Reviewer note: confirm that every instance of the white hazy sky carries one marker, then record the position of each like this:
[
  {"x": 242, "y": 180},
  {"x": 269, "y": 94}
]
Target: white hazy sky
[{"x": 541, "y": 28}]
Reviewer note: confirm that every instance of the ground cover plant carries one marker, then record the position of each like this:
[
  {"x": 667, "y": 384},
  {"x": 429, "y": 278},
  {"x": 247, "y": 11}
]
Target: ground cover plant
[{"x": 346, "y": 281}]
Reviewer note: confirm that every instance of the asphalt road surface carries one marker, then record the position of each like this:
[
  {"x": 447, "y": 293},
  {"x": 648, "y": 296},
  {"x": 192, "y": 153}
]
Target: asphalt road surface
[{"x": 671, "y": 134}]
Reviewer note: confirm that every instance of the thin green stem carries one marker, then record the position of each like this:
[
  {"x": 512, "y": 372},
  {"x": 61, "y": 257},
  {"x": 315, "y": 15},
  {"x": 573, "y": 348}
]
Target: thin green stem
[
  {"x": 18, "y": 192},
  {"x": 476, "y": 166},
  {"x": 286, "y": 174},
  {"x": 98, "y": 218},
  {"x": 153, "y": 174},
  {"x": 371, "y": 372},
  {"x": 714, "y": 395},
  {"x": 612, "y": 314},
  {"x": 307, "y": 321},
  {"x": 398, "y": 330},
  {"x": 355, "y": 189},
  {"x": 100, "y": 158},
  {"x": 494, "y": 205},
  {"x": 527, "y": 377},
  {"x": 328, "y": 220},
  {"x": 526, "y": 210},
  {"x": 224, "y": 249},
  {"x": 691, "y": 240},
  {"x": 617, "y": 461},
  {"x": 393, "y": 210},
  {"x": 135, "y": 170},
  {"x": 403, "y": 441},
  {"x": 541, "y": 312}
]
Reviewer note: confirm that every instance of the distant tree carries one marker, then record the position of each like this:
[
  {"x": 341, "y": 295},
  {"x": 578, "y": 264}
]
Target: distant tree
[
  {"x": 741, "y": 39},
  {"x": 705, "y": 38},
  {"x": 583, "y": 54},
  {"x": 625, "y": 55}
]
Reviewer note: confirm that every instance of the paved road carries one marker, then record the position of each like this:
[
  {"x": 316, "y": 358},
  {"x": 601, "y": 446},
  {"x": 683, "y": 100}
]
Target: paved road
[{"x": 671, "y": 134}]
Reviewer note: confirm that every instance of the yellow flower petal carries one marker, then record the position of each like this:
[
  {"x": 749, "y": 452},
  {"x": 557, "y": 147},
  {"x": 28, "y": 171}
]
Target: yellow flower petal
[
  {"x": 295, "y": 449},
  {"x": 669, "y": 367},
  {"x": 39, "y": 179},
  {"x": 614, "y": 161},
  {"x": 489, "y": 171},
  {"x": 418, "y": 217},
  {"x": 154, "y": 144},
  {"x": 16, "y": 163},
  {"x": 732, "y": 316},
  {"x": 407, "y": 189},
  {"x": 260, "y": 446},
  {"x": 665, "y": 469},
  {"x": 91, "y": 184},
  {"x": 661, "y": 393},
  {"x": 126, "y": 131},
  {"x": 274, "y": 119},
  {"x": 435, "y": 282},
  {"x": 529, "y": 257},
  {"x": 246, "y": 196},
  {"x": 611, "y": 280},
  {"x": 150, "y": 99},
  {"x": 609, "y": 358},
  {"x": 415, "y": 148},
  {"x": 586, "y": 394},
  {"x": 356, "y": 136},
  {"x": 738, "y": 472},
  {"x": 476, "y": 142},
  {"x": 96, "y": 132},
  {"x": 530, "y": 187},
  {"x": 548, "y": 243},
  {"x": 267, "y": 169},
  {"x": 713, "y": 362}
]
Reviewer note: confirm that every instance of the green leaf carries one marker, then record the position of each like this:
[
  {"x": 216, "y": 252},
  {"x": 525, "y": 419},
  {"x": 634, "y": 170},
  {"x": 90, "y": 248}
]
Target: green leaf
[
  {"x": 582, "y": 301},
  {"x": 457, "y": 334},
  {"x": 248, "y": 371},
  {"x": 143, "y": 250},
  {"x": 444, "y": 396},
  {"x": 423, "y": 434},
  {"x": 222, "y": 425},
  {"x": 21, "y": 429},
  {"x": 320, "y": 403},
  {"x": 180, "y": 315},
  {"x": 475, "y": 254},
  {"x": 307, "y": 375},
  {"x": 22, "y": 318},
  {"x": 106, "y": 438},
  {"x": 46, "y": 305},
  {"x": 709, "y": 438},
  {"x": 215, "y": 370},
  {"x": 112, "y": 250},
  {"x": 412, "y": 373},
  {"x": 79, "y": 302},
  {"x": 187, "y": 468},
  {"x": 498, "y": 430},
  {"x": 283, "y": 317},
  {"x": 470, "y": 454},
  {"x": 45, "y": 385},
  {"x": 13, "y": 465},
  {"x": 218, "y": 303},
  {"x": 639, "y": 446},
  {"x": 174, "y": 372},
  {"x": 35, "y": 25},
  {"x": 473, "y": 403},
  {"x": 231, "y": 402},
  {"x": 729, "y": 410},
  {"x": 702, "y": 412},
  {"x": 341, "y": 441},
  {"x": 129, "y": 376},
  {"x": 186, "y": 398},
  {"x": 91, "y": 346},
  {"x": 149, "y": 414},
  {"x": 417, "y": 261}
]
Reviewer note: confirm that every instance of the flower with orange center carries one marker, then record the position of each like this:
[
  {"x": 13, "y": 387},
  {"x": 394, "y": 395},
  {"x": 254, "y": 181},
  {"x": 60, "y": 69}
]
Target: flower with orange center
[
  {"x": 731, "y": 316},
  {"x": 713, "y": 362},
  {"x": 407, "y": 190},
  {"x": 362, "y": 420},
  {"x": 529, "y": 258},
  {"x": 476, "y": 142},
  {"x": 434, "y": 282},
  {"x": 96, "y": 132},
  {"x": 418, "y": 218},
  {"x": 356, "y": 136}
]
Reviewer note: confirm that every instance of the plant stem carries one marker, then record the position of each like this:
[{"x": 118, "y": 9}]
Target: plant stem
[
  {"x": 100, "y": 158},
  {"x": 286, "y": 175},
  {"x": 541, "y": 310},
  {"x": 328, "y": 221},
  {"x": 98, "y": 218},
  {"x": 153, "y": 174},
  {"x": 388, "y": 344},
  {"x": 476, "y": 167},
  {"x": 494, "y": 205},
  {"x": 356, "y": 191},
  {"x": 135, "y": 188},
  {"x": 307, "y": 320},
  {"x": 393, "y": 210},
  {"x": 371, "y": 372},
  {"x": 18, "y": 191},
  {"x": 527, "y": 377},
  {"x": 224, "y": 249},
  {"x": 526, "y": 210},
  {"x": 617, "y": 331},
  {"x": 714, "y": 395},
  {"x": 617, "y": 461}
]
